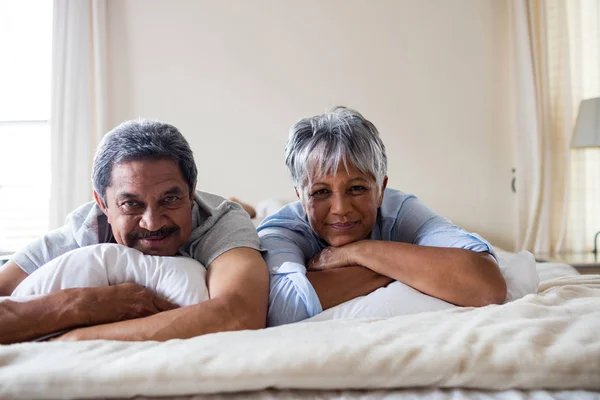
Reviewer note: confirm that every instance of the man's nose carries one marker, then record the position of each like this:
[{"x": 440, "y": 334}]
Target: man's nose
[
  {"x": 341, "y": 204},
  {"x": 152, "y": 219}
]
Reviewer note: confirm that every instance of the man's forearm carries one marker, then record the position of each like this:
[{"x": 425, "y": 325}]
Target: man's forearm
[
  {"x": 214, "y": 315},
  {"x": 225, "y": 313},
  {"x": 72, "y": 308},
  {"x": 237, "y": 281},
  {"x": 27, "y": 320},
  {"x": 338, "y": 285}
]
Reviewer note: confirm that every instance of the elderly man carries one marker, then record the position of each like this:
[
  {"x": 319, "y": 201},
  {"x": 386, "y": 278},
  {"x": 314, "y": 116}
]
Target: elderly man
[{"x": 144, "y": 179}]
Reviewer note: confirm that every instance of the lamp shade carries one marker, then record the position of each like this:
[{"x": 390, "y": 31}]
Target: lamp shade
[{"x": 587, "y": 127}]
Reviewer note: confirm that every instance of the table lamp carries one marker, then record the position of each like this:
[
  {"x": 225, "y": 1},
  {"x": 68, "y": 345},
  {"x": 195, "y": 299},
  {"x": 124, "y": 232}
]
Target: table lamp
[{"x": 587, "y": 134}]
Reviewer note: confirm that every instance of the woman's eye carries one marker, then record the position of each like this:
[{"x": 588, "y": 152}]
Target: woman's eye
[
  {"x": 358, "y": 189},
  {"x": 320, "y": 193}
]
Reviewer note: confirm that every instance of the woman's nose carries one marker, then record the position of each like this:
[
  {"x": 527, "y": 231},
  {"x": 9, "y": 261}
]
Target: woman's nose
[{"x": 341, "y": 204}]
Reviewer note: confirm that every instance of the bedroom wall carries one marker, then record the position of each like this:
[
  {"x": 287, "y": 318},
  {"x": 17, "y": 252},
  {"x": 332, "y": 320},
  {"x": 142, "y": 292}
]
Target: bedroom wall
[{"x": 234, "y": 75}]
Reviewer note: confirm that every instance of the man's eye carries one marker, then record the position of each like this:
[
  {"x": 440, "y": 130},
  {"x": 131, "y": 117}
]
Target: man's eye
[
  {"x": 131, "y": 207},
  {"x": 171, "y": 199}
]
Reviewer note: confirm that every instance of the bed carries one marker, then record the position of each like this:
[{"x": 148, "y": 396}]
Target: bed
[{"x": 542, "y": 346}]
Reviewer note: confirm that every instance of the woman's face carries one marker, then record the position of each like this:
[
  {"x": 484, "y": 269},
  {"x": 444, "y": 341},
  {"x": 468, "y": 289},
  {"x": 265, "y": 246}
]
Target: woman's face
[{"x": 342, "y": 208}]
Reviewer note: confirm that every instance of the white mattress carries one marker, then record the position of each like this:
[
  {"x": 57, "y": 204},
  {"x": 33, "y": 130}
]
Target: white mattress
[
  {"x": 408, "y": 394},
  {"x": 550, "y": 270},
  {"x": 546, "y": 271},
  {"x": 544, "y": 346}
]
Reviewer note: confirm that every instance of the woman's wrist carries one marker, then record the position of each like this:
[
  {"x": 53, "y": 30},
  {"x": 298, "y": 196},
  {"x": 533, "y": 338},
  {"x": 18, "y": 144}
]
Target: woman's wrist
[{"x": 355, "y": 253}]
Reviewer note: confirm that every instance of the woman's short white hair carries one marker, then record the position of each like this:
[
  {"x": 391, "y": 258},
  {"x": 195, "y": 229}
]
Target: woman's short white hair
[{"x": 318, "y": 145}]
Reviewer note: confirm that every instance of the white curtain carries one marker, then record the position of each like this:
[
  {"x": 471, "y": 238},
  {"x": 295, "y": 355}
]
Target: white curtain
[
  {"x": 547, "y": 64},
  {"x": 78, "y": 107},
  {"x": 584, "y": 191}
]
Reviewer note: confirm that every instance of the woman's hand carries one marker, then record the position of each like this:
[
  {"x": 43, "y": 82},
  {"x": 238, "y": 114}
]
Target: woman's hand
[{"x": 333, "y": 257}]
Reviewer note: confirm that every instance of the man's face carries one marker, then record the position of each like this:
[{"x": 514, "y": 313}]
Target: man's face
[{"x": 148, "y": 206}]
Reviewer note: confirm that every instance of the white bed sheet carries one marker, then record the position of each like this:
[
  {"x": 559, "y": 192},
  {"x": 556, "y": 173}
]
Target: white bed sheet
[
  {"x": 546, "y": 271},
  {"x": 409, "y": 394},
  {"x": 543, "y": 346}
]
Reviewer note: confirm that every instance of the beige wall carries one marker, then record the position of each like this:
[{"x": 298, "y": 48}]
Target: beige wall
[{"x": 233, "y": 75}]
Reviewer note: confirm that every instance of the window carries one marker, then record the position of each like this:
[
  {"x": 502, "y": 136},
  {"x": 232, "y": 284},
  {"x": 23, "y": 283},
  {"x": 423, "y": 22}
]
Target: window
[{"x": 26, "y": 49}]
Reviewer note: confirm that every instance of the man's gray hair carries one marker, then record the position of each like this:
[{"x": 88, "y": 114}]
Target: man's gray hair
[
  {"x": 317, "y": 145},
  {"x": 142, "y": 140}
]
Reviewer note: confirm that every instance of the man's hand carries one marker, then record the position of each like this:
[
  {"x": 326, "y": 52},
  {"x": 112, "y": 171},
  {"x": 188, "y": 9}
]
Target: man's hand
[
  {"x": 125, "y": 301},
  {"x": 122, "y": 302}
]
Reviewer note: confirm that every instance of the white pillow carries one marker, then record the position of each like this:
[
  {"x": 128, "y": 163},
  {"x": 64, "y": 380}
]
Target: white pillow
[
  {"x": 181, "y": 280},
  {"x": 393, "y": 300},
  {"x": 520, "y": 273},
  {"x": 400, "y": 299}
]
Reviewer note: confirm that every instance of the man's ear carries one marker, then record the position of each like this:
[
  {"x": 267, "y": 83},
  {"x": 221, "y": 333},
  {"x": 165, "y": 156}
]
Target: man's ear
[
  {"x": 100, "y": 203},
  {"x": 193, "y": 190},
  {"x": 383, "y": 186}
]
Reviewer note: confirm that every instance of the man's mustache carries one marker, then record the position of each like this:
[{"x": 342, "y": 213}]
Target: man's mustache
[{"x": 149, "y": 234}]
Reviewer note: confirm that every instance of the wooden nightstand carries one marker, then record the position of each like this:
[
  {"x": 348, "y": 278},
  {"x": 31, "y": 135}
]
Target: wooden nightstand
[{"x": 585, "y": 263}]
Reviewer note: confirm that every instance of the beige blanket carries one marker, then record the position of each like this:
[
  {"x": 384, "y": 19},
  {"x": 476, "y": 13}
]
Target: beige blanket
[{"x": 546, "y": 341}]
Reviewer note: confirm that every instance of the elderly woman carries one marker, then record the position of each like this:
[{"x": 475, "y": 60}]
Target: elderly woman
[{"x": 349, "y": 235}]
